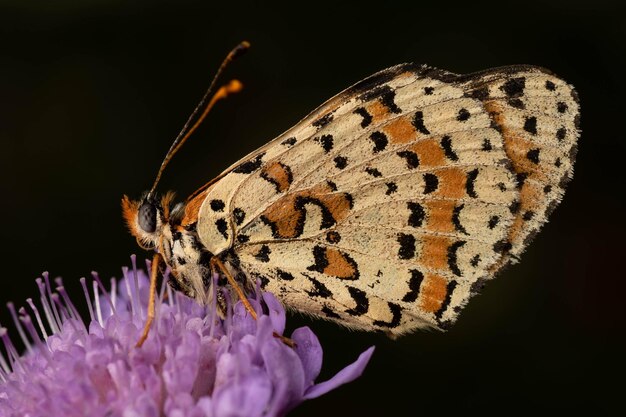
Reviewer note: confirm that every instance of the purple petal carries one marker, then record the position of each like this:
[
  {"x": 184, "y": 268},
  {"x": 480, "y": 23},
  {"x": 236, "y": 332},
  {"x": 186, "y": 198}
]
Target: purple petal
[
  {"x": 247, "y": 396},
  {"x": 347, "y": 374},
  {"x": 284, "y": 368},
  {"x": 310, "y": 352},
  {"x": 276, "y": 312}
]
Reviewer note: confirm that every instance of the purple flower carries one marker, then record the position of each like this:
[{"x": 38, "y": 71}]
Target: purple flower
[{"x": 192, "y": 364}]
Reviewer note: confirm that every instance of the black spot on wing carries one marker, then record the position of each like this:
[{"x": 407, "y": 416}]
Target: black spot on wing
[
  {"x": 412, "y": 160},
  {"x": 481, "y": 93},
  {"x": 341, "y": 162},
  {"x": 452, "y": 257},
  {"x": 418, "y": 123},
  {"x": 392, "y": 187},
  {"x": 530, "y": 125},
  {"x": 396, "y": 316},
  {"x": 446, "y": 302},
  {"x": 263, "y": 254},
  {"x": 416, "y": 218},
  {"x": 431, "y": 183},
  {"x": 328, "y": 312},
  {"x": 560, "y": 133},
  {"x": 514, "y": 87},
  {"x": 502, "y": 246},
  {"x": 323, "y": 121},
  {"x": 373, "y": 172},
  {"x": 250, "y": 166},
  {"x": 217, "y": 205},
  {"x": 533, "y": 156},
  {"x": 284, "y": 275},
  {"x": 446, "y": 145},
  {"x": 561, "y": 107},
  {"x": 429, "y": 90},
  {"x": 469, "y": 183},
  {"x": 387, "y": 97},
  {"x": 333, "y": 237},
  {"x": 319, "y": 289},
  {"x": 321, "y": 262},
  {"x": 367, "y": 118},
  {"x": 463, "y": 115},
  {"x": 325, "y": 141},
  {"x": 289, "y": 141},
  {"x": 516, "y": 103},
  {"x": 456, "y": 221},
  {"x": 407, "y": 246},
  {"x": 239, "y": 215},
  {"x": 493, "y": 222},
  {"x": 380, "y": 141},
  {"x": 414, "y": 286},
  {"x": 486, "y": 146},
  {"x": 222, "y": 227},
  {"x": 550, "y": 86},
  {"x": 361, "y": 301}
]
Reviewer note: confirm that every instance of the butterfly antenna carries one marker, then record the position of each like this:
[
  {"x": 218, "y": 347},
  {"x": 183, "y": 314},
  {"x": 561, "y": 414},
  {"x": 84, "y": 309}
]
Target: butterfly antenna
[{"x": 203, "y": 108}]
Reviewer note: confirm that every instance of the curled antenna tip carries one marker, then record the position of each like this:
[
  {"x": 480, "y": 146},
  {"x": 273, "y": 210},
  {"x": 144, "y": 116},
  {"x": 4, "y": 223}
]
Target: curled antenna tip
[
  {"x": 241, "y": 48},
  {"x": 234, "y": 86}
]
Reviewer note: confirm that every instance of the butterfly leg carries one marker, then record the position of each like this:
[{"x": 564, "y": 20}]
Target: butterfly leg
[
  {"x": 217, "y": 264},
  {"x": 152, "y": 301}
]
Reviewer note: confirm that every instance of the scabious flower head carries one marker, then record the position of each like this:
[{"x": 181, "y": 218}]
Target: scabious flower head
[{"x": 192, "y": 364}]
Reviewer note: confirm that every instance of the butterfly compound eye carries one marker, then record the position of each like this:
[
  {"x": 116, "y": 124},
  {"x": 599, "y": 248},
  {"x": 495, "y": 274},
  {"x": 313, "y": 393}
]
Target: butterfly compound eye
[{"x": 147, "y": 217}]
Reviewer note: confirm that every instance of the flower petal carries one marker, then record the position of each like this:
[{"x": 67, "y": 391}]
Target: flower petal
[
  {"x": 285, "y": 370},
  {"x": 310, "y": 352},
  {"x": 246, "y": 396},
  {"x": 347, "y": 374},
  {"x": 276, "y": 312}
]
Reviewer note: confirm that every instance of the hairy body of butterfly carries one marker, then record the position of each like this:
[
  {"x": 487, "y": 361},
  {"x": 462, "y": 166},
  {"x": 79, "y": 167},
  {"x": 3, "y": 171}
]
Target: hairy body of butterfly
[{"x": 390, "y": 205}]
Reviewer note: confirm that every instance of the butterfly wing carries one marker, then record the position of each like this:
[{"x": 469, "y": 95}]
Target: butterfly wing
[{"x": 387, "y": 206}]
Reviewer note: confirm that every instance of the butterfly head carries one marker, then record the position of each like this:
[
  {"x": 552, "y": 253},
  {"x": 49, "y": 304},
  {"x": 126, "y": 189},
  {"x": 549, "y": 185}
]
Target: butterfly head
[{"x": 146, "y": 217}]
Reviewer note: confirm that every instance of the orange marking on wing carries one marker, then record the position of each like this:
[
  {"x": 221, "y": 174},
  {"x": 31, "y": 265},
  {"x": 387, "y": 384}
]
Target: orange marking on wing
[
  {"x": 531, "y": 198},
  {"x": 287, "y": 218},
  {"x": 439, "y": 217},
  {"x": 433, "y": 292},
  {"x": 406, "y": 74},
  {"x": 451, "y": 183},
  {"x": 278, "y": 174},
  {"x": 429, "y": 152},
  {"x": 516, "y": 146},
  {"x": 192, "y": 208},
  {"x": 434, "y": 253},
  {"x": 378, "y": 111},
  {"x": 401, "y": 130},
  {"x": 339, "y": 265}
]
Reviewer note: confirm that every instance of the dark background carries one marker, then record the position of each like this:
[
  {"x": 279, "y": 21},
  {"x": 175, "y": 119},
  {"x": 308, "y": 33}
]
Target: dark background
[{"x": 92, "y": 95}]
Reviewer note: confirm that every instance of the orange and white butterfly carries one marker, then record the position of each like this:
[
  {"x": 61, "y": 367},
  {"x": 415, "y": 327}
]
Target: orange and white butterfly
[{"x": 387, "y": 207}]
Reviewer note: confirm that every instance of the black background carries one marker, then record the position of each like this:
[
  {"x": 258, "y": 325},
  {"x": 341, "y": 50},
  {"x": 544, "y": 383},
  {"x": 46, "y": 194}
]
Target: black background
[{"x": 92, "y": 95}]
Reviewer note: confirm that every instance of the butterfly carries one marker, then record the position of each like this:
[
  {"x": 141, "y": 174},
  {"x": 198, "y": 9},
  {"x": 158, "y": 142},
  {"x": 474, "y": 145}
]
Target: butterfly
[{"x": 386, "y": 208}]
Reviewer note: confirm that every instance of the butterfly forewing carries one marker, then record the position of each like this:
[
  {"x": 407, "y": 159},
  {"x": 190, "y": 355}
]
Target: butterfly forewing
[{"x": 387, "y": 206}]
